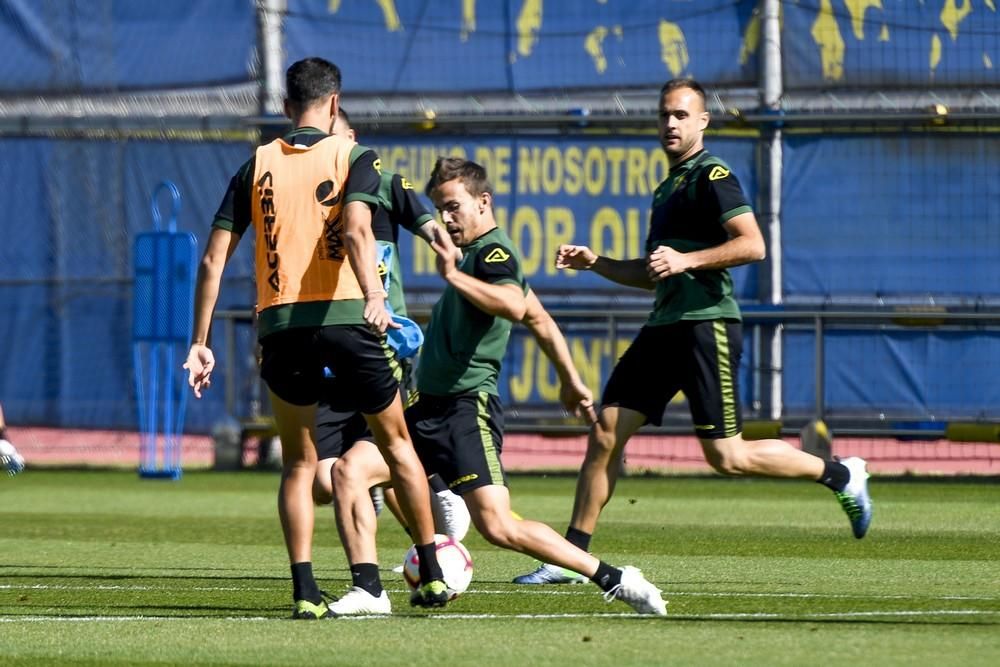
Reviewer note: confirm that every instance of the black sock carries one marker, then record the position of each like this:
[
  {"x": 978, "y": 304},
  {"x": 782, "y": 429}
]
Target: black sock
[
  {"x": 607, "y": 576},
  {"x": 437, "y": 484},
  {"x": 578, "y": 538},
  {"x": 303, "y": 584},
  {"x": 835, "y": 476},
  {"x": 429, "y": 568},
  {"x": 365, "y": 576}
]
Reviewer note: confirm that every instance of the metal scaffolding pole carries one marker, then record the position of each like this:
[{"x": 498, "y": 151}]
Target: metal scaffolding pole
[
  {"x": 270, "y": 20},
  {"x": 771, "y": 91}
]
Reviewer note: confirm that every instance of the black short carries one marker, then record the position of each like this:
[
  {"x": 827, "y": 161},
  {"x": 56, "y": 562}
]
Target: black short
[
  {"x": 292, "y": 363},
  {"x": 339, "y": 423},
  {"x": 700, "y": 358},
  {"x": 459, "y": 438}
]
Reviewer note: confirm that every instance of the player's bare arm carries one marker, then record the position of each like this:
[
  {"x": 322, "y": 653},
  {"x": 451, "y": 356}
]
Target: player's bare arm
[
  {"x": 745, "y": 245},
  {"x": 200, "y": 361},
  {"x": 629, "y": 272},
  {"x": 574, "y": 395},
  {"x": 500, "y": 300},
  {"x": 360, "y": 241}
]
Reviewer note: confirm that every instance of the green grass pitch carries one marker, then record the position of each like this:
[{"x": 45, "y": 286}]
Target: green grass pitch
[{"x": 102, "y": 568}]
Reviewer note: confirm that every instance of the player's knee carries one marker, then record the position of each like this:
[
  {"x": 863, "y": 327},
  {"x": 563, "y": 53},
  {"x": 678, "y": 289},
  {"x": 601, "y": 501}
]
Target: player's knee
[
  {"x": 601, "y": 442},
  {"x": 495, "y": 529},
  {"x": 346, "y": 474}
]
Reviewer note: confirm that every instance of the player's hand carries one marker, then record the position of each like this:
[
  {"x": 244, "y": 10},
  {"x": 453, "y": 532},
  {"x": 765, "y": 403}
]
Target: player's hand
[
  {"x": 577, "y": 399},
  {"x": 200, "y": 364},
  {"x": 376, "y": 315},
  {"x": 665, "y": 262},
  {"x": 448, "y": 254},
  {"x": 578, "y": 257}
]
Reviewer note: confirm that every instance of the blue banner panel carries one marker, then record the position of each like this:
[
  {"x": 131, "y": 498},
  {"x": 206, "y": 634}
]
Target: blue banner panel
[
  {"x": 938, "y": 375},
  {"x": 526, "y": 45},
  {"x": 877, "y": 218},
  {"x": 832, "y": 43},
  {"x": 72, "y": 209},
  {"x": 84, "y": 46},
  {"x": 593, "y": 190}
]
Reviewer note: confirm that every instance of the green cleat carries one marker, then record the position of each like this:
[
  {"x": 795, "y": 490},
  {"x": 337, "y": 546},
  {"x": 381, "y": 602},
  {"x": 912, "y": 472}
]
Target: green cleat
[
  {"x": 431, "y": 594},
  {"x": 310, "y": 611}
]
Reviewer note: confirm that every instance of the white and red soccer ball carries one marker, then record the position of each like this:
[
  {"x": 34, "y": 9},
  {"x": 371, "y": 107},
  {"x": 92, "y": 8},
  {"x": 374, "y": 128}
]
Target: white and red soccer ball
[{"x": 455, "y": 562}]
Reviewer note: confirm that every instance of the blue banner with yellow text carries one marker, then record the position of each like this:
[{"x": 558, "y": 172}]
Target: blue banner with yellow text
[
  {"x": 526, "y": 45},
  {"x": 594, "y": 191},
  {"x": 844, "y": 43}
]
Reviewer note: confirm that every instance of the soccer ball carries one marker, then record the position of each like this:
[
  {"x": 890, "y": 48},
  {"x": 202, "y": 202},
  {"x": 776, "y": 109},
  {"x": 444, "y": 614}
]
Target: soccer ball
[{"x": 455, "y": 562}]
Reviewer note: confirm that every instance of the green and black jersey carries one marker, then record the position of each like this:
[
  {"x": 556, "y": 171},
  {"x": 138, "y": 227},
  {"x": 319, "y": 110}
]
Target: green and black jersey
[
  {"x": 235, "y": 214},
  {"x": 464, "y": 346},
  {"x": 689, "y": 209},
  {"x": 399, "y": 206}
]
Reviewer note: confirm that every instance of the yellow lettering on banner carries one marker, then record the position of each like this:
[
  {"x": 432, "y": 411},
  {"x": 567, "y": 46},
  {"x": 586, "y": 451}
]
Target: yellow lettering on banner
[
  {"x": 395, "y": 160},
  {"x": 587, "y": 357},
  {"x": 552, "y": 171},
  {"x": 560, "y": 228},
  {"x": 545, "y": 377},
  {"x": 595, "y": 171},
  {"x": 607, "y": 222},
  {"x": 659, "y": 167},
  {"x": 501, "y": 170},
  {"x": 415, "y": 162},
  {"x": 633, "y": 233},
  {"x": 520, "y": 383},
  {"x": 616, "y": 156},
  {"x": 538, "y": 237},
  {"x": 528, "y": 170},
  {"x": 574, "y": 170},
  {"x": 535, "y": 378},
  {"x": 526, "y": 232},
  {"x": 636, "y": 172},
  {"x": 497, "y": 164}
]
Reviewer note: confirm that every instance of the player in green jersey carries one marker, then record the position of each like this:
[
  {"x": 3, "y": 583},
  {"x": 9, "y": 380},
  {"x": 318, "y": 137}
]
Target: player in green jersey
[{"x": 700, "y": 225}]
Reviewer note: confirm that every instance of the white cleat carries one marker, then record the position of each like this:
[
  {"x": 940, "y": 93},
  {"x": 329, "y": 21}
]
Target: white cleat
[
  {"x": 10, "y": 460},
  {"x": 451, "y": 516},
  {"x": 359, "y": 602},
  {"x": 854, "y": 499},
  {"x": 638, "y": 593}
]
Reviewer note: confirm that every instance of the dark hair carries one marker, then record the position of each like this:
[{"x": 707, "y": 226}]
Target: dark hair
[
  {"x": 691, "y": 84},
  {"x": 343, "y": 115},
  {"x": 310, "y": 80},
  {"x": 472, "y": 175}
]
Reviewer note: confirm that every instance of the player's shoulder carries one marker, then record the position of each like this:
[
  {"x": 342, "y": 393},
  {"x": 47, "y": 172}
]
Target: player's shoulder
[
  {"x": 495, "y": 249},
  {"x": 495, "y": 253},
  {"x": 713, "y": 168}
]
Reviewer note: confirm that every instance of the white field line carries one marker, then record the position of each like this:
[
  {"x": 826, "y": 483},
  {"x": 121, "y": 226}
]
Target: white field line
[
  {"x": 720, "y": 616},
  {"x": 521, "y": 590}
]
